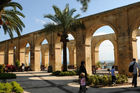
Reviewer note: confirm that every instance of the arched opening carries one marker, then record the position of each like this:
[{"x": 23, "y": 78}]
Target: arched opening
[
  {"x": 44, "y": 55},
  {"x": 103, "y": 52},
  {"x": 71, "y": 52},
  {"x": 106, "y": 52}
]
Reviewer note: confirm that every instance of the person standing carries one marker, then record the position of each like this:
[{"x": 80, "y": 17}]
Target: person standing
[
  {"x": 23, "y": 67},
  {"x": 135, "y": 67}
]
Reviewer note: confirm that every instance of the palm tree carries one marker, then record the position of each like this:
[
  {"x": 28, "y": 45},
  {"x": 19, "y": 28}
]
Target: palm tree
[
  {"x": 10, "y": 18},
  {"x": 65, "y": 21}
]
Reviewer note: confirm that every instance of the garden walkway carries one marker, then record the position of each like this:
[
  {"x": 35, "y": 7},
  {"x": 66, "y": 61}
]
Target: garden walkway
[{"x": 42, "y": 82}]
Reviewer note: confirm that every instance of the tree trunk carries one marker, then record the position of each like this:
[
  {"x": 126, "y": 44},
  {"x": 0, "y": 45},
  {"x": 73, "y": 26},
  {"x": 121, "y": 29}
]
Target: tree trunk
[{"x": 65, "y": 55}]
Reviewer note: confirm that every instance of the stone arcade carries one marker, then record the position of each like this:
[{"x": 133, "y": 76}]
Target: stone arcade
[{"x": 125, "y": 22}]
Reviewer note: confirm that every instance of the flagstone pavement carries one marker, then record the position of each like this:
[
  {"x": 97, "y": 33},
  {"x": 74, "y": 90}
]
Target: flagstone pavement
[{"x": 43, "y": 82}]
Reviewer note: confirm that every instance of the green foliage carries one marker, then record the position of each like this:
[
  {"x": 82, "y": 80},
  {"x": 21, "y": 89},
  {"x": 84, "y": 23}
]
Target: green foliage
[
  {"x": 16, "y": 87},
  {"x": 17, "y": 63},
  {"x": 56, "y": 73},
  {"x": 10, "y": 87},
  {"x": 121, "y": 79},
  {"x": 104, "y": 80},
  {"x": 84, "y": 4},
  {"x": 2, "y": 68},
  {"x": 98, "y": 64},
  {"x": 7, "y": 76},
  {"x": 66, "y": 73}
]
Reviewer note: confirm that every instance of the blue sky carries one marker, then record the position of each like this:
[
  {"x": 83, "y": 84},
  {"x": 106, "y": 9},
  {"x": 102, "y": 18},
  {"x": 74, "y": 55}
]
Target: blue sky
[{"x": 34, "y": 10}]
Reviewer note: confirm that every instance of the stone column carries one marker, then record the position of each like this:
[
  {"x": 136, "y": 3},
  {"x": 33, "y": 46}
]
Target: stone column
[
  {"x": 27, "y": 49},
  {"x": 71, "y": 56},
  {"x": 37, "y": 58},
  {"x": 11, "y": 57},
  {"x": 124, "y": 54},
  {"x": 115, "y": 57},
  {"x": 46, "y": 57},
  {"x": 22, "y": 55},
  {"x": 134, "y": 46},
  {"x": 2, "y": 57},
  {"x": 75, "y": 57},
  {"x": 58, "y": 54},
  {"x": 96, "y": 55}
]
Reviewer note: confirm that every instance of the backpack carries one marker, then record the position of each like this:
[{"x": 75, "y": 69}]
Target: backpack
[{"x": 131, "y": 68}]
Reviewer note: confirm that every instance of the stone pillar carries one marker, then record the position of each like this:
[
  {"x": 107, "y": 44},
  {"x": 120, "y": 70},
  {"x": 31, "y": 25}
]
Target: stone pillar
[
  {"x": 27, "y": 49},
  {"x": 52, "y": 56},
  {"x": 17, "y": 52},
  {"x": 43, "y": 57},
  {"x": 134, "y": 46},
  {"x": 22, "y": 55},
  {"x": 2, "y": 57},
  {"x": 96, "y": 55},
  {"x": 71, "y": 56},
  {"x": 58, "y": 54},
  {"x": 37, "y": 58},
  {"x": 124, "y": 54},
  {"x": 11, "y": 57},
  {"x": 46, "y": 57},
  {"x": 75, "y": 57},
  {"x": 115, "y": 57},
  {"x": 88, "y": 63}
]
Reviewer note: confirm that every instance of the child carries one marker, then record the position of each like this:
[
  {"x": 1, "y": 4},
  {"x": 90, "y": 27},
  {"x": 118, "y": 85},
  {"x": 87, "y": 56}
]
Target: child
[
  {"x": 113, "y": 75},
  {"x": 82, "y": 83}
]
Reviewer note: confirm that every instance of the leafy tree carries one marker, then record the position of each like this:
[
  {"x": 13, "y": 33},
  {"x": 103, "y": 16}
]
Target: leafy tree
[
  {"x": 10, "y": 17},
  {"x": 65, "y": 21},
  {"x": 84, "y": 4}
]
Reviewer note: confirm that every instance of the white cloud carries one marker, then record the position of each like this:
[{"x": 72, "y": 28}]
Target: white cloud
[{"x": 40, "y": 21}]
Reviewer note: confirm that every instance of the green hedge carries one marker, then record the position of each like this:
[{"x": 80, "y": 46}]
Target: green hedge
[
  {"x": 2, "y": 68},
  {"x": 10, "y": 87},
  {"x": 7, "y": 76},
  {"x": 104, "y": 80},
  {"x": 66, "y": 73}
]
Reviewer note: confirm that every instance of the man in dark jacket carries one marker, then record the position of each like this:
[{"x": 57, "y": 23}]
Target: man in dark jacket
[{"x": 82, "y": 69}]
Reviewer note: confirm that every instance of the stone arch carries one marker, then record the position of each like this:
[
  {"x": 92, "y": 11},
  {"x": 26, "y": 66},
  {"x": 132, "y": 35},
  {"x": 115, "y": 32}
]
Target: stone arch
[
  {"x": 88, "y": 38},
  {"x": 96, "y": 41}
]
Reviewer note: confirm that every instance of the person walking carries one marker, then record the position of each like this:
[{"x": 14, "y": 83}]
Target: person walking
[
  {"x": 82, "y": 69},
  {"x": 113, "y": 75},
  {"x": 135, "y": 67},
  {"x": 82, "y": 83}
]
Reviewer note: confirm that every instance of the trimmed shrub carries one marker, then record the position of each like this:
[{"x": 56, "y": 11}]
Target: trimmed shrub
[
  {"x": 56, "y": 73},
  {"x": 16, "y": 87},
  {"x": 104, "y": 80},
  {"x": 7, "y": 76},
  {"x": 2, "y": 68},
  {"x": 10, "y": 87},
  {"x": 66, "y": 73}
]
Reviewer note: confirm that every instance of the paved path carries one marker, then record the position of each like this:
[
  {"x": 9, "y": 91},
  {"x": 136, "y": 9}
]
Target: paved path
[{"x": 42, "y": 82}]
